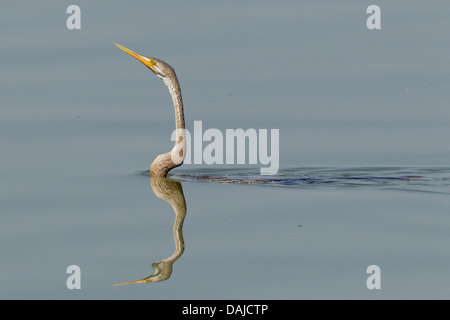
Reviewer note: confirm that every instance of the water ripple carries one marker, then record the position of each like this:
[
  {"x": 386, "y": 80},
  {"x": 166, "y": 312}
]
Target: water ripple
[{"x": 421, "y": 179}]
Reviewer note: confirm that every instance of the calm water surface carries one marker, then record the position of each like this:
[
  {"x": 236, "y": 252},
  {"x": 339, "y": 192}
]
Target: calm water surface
[{"x": 364, "y": 173}]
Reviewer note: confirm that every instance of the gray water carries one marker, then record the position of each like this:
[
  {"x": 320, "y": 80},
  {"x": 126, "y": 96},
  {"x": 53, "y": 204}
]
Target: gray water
[{"x": 364, "y": 173}]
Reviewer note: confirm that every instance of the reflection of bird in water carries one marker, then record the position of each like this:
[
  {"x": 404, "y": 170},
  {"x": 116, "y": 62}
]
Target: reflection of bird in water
[
  {"x": 171, "y": 192},
  {"x": 167, "y": 161}
]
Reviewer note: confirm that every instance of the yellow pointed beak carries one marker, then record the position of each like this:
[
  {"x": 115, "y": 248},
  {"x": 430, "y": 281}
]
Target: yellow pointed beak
[{"x": 149, "y": 62}]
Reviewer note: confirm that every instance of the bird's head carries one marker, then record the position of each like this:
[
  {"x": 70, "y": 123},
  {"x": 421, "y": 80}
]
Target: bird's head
[{"x": 158, "y": 67}]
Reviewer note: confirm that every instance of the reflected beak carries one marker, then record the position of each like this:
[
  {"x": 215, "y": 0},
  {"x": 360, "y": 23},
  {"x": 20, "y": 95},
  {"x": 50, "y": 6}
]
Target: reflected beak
[
  {"x": 149, "y": 62},
  {"x": 131, "y": 282}
]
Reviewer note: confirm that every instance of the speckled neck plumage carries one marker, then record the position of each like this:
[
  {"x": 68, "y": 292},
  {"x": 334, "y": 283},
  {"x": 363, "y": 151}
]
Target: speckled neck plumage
[{"x": 167, "y": 161}]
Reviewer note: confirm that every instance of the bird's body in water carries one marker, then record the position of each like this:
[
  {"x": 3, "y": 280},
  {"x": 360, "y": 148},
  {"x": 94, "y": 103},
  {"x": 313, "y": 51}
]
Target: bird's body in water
[{"x": 174, "y": 158}]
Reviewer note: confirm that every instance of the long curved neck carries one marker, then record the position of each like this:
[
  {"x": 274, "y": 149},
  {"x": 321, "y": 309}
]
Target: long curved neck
[
  {"x": 167, "y": 161},
  {"x": 175, "y": 92}
]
